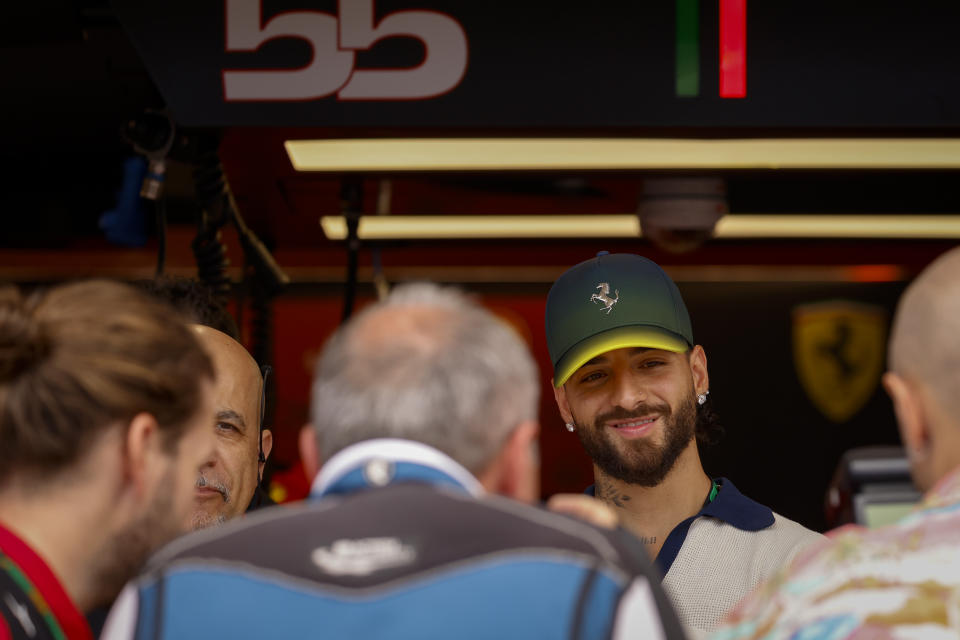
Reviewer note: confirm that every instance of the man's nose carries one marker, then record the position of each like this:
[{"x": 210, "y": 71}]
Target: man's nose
[
  {"x": 628, "y": 392},
  {"x": 211, "y": 455}
]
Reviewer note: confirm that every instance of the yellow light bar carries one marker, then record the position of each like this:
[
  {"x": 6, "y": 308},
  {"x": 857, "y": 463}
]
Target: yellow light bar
[
  {"x": 551, "y": 154},
  {"x": 448, "y": 227},
  {"x": 398, "y": 227},
  {"x": 914, "y": 227}
]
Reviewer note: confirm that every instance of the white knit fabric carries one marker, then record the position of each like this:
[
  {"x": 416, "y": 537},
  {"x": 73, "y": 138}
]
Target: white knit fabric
[{"x": 719, "y": 564}]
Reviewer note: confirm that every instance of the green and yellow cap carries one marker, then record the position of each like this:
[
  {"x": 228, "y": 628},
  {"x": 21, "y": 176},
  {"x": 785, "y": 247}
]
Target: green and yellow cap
[{"x": 611, "y": 302}]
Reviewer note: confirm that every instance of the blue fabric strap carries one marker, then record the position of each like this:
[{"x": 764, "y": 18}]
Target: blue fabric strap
[{"x": 359, "y": 479}]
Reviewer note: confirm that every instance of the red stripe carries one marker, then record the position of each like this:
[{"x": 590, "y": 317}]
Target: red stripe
[
  {"x": 4, "y": 630},
  {"x": 72, "y": 623},
  {"x": 733, "y": 48}
]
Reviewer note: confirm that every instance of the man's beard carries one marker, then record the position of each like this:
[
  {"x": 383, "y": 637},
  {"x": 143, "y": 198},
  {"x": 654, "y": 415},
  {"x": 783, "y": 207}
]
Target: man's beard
[
  {"x": 124, "y": 553},
  {"x": 202, "y": 520},
  {"x": 639, "y": 461}
]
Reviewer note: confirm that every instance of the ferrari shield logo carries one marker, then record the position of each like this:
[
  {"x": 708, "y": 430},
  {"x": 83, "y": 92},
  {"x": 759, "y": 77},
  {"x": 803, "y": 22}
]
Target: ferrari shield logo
[{"x": 839, "y": 349}]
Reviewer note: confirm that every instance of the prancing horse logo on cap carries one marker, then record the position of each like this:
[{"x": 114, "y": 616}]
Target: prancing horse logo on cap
[{"x": 604, "y": 296}]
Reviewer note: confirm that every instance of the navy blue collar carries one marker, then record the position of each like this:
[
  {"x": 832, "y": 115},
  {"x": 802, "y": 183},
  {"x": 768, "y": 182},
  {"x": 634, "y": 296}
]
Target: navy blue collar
[
  {"x": 730, "y": 506},
  {"x": 736, "y": 509},
  {"x": 383, "y": 462}
]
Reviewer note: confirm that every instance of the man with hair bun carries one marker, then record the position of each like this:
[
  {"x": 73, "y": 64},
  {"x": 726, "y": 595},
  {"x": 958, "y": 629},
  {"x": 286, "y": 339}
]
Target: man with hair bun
[
  {"x": 105, "y": 402},
  {"x": 423, "y": 405}
]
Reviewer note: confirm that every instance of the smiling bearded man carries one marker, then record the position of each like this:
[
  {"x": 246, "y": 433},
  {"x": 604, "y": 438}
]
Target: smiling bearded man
[
  {"x": 629, "y": 379},
  {"x": 638, "y": 461}
]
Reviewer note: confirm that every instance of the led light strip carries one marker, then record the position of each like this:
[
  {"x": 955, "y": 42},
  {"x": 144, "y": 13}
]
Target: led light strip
[
  {"x": 398, "y": 227},
  {"x": 687, "y": 48},
  {"x": 733, "y": 48},
  {"x": 732, "y": 54},
  {"x": 449, "y": 227},
  {"x": 552, "y": 154},
  {"x": 913, "y": 227}
]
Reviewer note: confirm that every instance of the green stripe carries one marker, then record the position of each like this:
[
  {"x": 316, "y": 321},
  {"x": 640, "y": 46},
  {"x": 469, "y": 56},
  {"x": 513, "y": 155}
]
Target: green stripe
[
  {"x": 7, "y": 565},
  {"x": 688, "y": 48}
]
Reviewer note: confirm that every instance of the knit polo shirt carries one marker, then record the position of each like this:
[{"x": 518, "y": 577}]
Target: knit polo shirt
[{"x": 716, "y": 557}]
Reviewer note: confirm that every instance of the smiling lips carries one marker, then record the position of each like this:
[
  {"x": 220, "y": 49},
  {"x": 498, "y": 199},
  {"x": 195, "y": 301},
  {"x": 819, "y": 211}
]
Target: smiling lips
[{"x": 635, "y": 427}]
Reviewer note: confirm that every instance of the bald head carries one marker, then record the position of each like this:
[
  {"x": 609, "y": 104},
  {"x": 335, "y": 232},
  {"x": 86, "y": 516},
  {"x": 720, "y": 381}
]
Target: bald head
[
  {"x": 924, "y": 376},
  {"x": 925, "y": 340},
  {"x": 228, "y": 480},
  {"x": 229, "y": 356}
]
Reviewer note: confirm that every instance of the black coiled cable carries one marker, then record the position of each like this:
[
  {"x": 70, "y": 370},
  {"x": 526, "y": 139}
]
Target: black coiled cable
[
  {"x": 261, "y": 339},
  {"x": 208, "y": 248},
  {"x": 351, "y": 205}
]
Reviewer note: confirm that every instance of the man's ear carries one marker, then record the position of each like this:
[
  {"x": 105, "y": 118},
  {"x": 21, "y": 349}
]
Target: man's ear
[
  {"x": 698, "y": 368},
  {"x": 309, "y": 451},
  {"x": 913, "y": 424},
  {"x": 142, "y": 446},
  {"x": 266, "y": 444},
  {"x": 909, "y": 410},
  {"x": 515, "y": 472},
  {"x": 560, "y": 395}
]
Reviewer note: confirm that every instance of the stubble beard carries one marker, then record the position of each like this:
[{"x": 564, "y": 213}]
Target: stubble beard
[
  {"x": 202, "y": 520},
  {"x": 124, "y": 553},
  {"x": 639, "y": 461}
]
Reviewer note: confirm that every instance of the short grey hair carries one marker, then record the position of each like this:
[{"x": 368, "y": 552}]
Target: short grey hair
[{"x": 426, "y": 364}]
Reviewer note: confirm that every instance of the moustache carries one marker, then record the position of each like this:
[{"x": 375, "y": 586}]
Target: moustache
[{"x": 216, "y": 485}]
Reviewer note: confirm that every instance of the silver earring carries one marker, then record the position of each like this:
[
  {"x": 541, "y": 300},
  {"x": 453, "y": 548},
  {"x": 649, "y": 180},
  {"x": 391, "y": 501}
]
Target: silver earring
[
  {"x": 702, "y": 398},
  {"x": 570, "y": 427}
]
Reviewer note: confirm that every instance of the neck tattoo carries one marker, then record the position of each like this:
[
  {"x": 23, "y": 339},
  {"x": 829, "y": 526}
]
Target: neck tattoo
[{"x": 605, "y": 491}]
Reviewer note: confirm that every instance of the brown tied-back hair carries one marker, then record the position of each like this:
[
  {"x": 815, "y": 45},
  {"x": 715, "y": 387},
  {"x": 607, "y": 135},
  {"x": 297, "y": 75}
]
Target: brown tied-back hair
[{"x": 82, "y": 357}]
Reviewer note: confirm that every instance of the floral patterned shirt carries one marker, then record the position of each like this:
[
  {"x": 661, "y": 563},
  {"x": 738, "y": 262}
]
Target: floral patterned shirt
[{"x": 899, "y": 581}]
